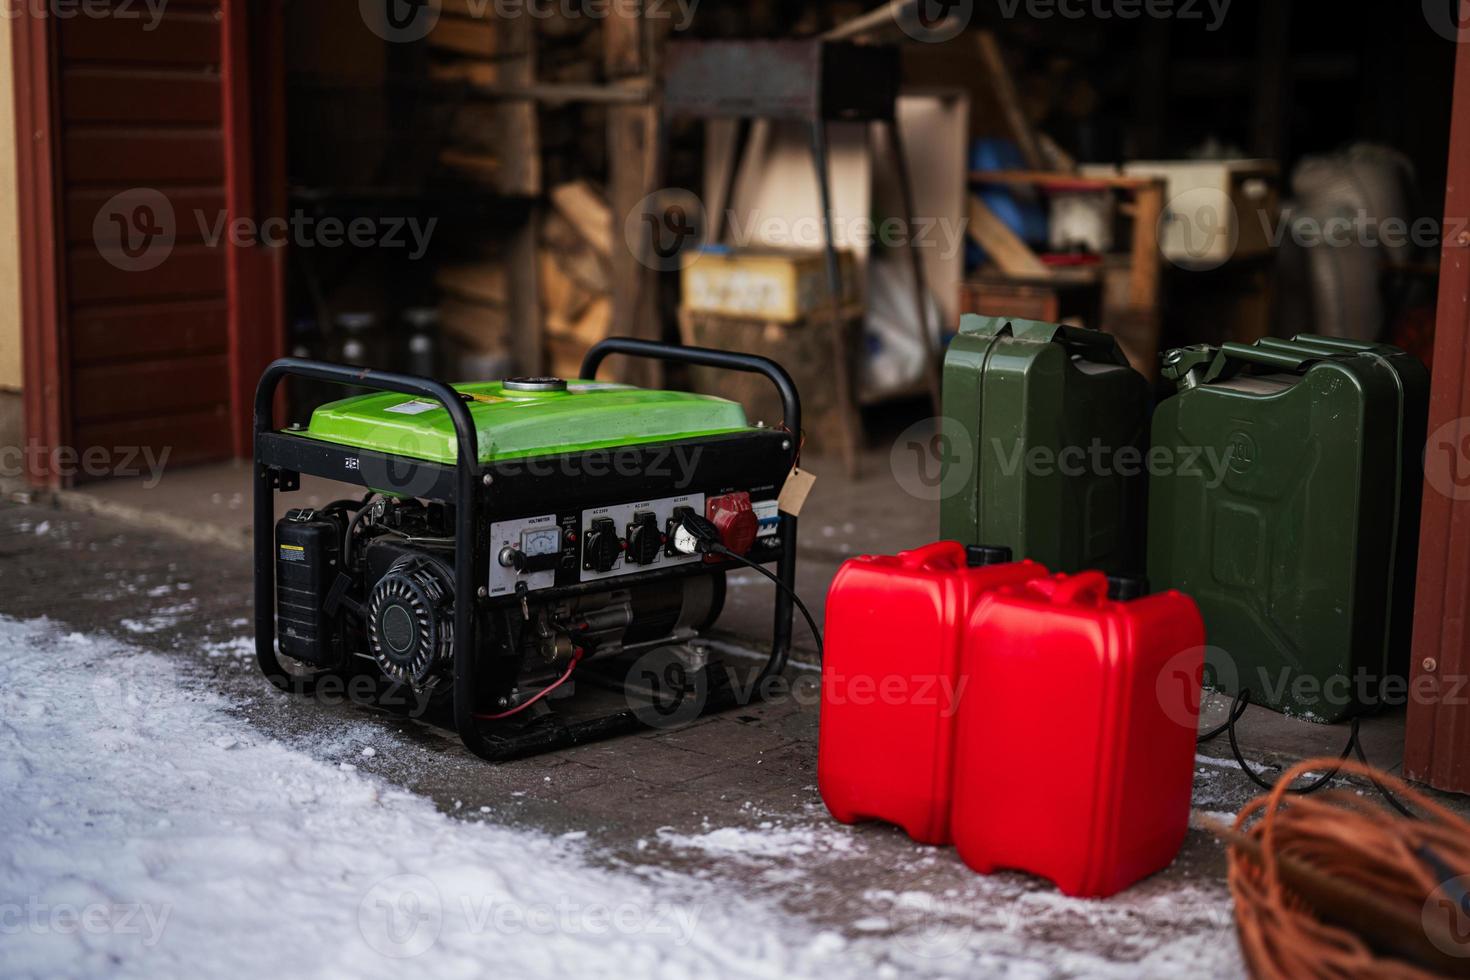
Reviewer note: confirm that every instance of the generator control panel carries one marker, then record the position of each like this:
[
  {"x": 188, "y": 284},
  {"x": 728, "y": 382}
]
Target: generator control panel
[{"x": 587, "y": 546}]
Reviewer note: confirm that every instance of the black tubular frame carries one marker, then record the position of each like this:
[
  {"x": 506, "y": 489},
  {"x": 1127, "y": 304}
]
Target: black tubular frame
[
  {"x": 279, "y": 459},
  {"x": 785, "y": 610},
  {"x": 466, "y": 509}
]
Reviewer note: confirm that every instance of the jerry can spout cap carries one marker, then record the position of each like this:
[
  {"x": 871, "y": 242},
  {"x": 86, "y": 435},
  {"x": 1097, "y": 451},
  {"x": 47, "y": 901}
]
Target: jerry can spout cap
[
  {"x": 983, "y": 556},
  {"x": 1126, "y": 588},
  {"x": 1187, "y": 365}
]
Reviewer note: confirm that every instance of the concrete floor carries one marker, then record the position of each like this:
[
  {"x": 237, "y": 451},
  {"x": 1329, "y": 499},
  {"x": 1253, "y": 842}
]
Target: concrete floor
[
  {"x": 166, "y": 568},
  {"x": 877, "y": 513}
]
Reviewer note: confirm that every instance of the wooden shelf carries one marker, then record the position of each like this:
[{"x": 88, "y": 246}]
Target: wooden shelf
[{"x": 1058, "y": 182}]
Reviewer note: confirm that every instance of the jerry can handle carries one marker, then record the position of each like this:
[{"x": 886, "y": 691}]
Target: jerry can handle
[
  {"x": 1082, "y": 589},
  {"x": 1336, "y": 343},
  {"x": 1282, "y": 346},
  {"x": 1091, "y": 345},
  {"x": 1240, "y": 354},
  {"x": 940, "y": 556}
]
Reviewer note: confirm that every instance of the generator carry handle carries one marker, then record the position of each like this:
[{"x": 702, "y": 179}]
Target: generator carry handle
[
  {"x": 702, "y": 357},
  {"x": 784, "y": 611},
  {"x": 269, "y": 475}
]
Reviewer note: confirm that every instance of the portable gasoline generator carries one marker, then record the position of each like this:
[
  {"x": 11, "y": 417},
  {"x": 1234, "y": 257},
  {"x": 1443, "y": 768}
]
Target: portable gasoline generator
[{"x": 512, "y": 535}]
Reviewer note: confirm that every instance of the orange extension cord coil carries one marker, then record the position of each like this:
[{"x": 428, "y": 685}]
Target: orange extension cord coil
[{"x": 1315, "y": 878}]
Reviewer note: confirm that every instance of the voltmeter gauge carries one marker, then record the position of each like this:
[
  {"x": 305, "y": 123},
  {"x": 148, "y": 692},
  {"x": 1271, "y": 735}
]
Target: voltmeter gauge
[{"x": 541, "y": 542}]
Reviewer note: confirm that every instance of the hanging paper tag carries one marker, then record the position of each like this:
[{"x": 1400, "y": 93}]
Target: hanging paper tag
[{"x": 793, "y": 495}]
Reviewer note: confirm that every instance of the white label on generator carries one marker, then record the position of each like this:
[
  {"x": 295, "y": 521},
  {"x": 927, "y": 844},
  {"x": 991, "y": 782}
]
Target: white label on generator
[{"x": 416, "y": 407}]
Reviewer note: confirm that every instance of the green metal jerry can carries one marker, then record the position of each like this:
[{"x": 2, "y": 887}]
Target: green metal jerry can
[
  {"x": 1411, "y": 379},
  {"x": 1047, "y": 425},
  {"x": 1284, "y": 531}
]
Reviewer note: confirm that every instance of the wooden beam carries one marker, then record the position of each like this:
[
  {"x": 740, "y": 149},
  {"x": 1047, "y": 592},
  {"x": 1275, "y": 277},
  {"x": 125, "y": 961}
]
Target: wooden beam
[
  {"x": 884, "y": 18},
  {"x": 623, "y": 42},
  {"x": 1004, "y": 247},
  {"x": 46, "y": 397},
  {"x": 1437, "y": 739},
  {"x": 1004, "y": 87},
  {"x": 1143, "y": 279},
  {"x": 1051, "y": 181},
  {"x": 632, "y": 152}
]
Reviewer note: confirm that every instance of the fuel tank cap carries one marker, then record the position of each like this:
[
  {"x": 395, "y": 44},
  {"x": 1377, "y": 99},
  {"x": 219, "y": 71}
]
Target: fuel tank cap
[{"x": 535, "y": 384}]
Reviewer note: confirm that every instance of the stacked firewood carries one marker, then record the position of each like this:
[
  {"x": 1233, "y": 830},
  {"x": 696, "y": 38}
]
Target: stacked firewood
[{"x": 576, "y": 273}]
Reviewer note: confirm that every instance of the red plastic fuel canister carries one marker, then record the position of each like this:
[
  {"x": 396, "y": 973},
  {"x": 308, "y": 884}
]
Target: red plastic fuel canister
[
  {"x": 891, "y": 681},
  {"x": 1076, "y": 737}
]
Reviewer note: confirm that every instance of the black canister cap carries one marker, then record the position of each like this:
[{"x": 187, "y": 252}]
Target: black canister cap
[
  {"x": 985, "y": 555},
  {"x": 1126, "y": 588}
]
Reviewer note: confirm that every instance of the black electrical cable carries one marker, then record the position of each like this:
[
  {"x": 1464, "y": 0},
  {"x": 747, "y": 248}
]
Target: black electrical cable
[
  {"x": 1214, "y": 733},
  {"x": 1382, "y": 789},
  {"x": 706, "y": 541},
  {"x": 721, "y": 550},
  {"x": 1354, "y": 747}
]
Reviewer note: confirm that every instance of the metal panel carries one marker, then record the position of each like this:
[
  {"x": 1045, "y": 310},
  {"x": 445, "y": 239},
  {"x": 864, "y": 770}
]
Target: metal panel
[{"x": 800, "y": 80}]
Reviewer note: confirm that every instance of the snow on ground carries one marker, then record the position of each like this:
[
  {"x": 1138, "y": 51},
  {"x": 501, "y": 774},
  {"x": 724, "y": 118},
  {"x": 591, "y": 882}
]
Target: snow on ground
[{"x": 147, "y": 831}]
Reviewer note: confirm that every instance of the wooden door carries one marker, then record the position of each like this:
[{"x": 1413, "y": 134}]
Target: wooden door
[{"x": 146, "y": 321}]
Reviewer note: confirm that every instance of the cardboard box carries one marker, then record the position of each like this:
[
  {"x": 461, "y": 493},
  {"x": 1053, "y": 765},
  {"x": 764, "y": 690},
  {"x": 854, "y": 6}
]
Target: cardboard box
[{"x": 765, "y": 284}]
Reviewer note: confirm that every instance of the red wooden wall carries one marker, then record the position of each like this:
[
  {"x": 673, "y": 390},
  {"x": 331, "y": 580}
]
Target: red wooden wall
[
  {"x": 145, "y": 109},
  {"x": 144, "y": 126},
  {"x": 1437, "y": 744}
]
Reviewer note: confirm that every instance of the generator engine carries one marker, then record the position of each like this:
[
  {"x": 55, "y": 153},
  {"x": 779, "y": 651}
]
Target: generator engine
[{"x": 375, "y": 580}]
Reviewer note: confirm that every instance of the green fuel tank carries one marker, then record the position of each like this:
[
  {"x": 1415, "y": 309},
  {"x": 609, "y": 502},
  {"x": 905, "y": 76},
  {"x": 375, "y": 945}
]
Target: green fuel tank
[{"x": 525, "y": 418}]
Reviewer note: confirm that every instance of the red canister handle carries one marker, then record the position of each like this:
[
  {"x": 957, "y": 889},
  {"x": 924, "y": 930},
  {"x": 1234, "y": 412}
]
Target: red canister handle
[
  {"x": 941, "y": 556},
  {"x": 1084, "y": 589}
]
